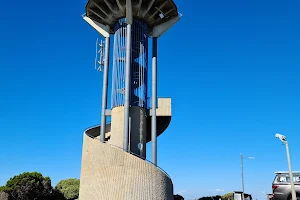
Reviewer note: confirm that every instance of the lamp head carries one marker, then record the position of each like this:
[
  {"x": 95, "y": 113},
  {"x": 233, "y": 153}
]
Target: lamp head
[{"x": 282, "y": 138}]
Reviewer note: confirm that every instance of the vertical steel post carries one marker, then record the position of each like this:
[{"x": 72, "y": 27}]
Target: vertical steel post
[
  {"x": 104, "y": 90},
  {"x": 294, "y": 197},
  {"x": 127, "y": 88},
  {"x": 154, "y": 101},
  {"x": 242, "y": 171}
]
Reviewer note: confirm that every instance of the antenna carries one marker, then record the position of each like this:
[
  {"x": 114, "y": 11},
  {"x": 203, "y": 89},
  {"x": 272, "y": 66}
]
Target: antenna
[{"x": 99, "y": 59}]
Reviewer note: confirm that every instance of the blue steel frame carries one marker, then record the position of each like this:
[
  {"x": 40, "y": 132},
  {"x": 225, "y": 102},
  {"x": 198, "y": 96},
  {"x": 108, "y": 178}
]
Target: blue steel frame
[{"x": 139, "y": 64}]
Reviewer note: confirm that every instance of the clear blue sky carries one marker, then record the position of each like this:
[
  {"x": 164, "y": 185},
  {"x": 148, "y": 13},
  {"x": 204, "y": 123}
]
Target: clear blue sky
[{"x": 231, "y": 68}]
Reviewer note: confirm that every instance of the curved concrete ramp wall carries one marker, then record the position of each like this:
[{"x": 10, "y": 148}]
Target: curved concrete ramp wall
[
  {"x": 3, "y": 196},
  {"x": 108, "y": 173}
]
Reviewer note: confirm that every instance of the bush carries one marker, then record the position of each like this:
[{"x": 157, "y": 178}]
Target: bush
[
  {"x": 2, "y": 188},
  {"x": 68, "y": 188},
  {"x": 178, "y": 197},
  {"x": 228, "y": 196},
  {"x": 28, "y": 186}
]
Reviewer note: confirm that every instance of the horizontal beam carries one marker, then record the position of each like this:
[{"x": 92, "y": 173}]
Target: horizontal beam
[
  {"x": 148, "y": 8},
  {"x": 107, "y": 112},
  {"x": 100, "y": 28}
]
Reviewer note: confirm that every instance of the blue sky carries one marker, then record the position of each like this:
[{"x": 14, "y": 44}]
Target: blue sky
[{"x": 231, "y": 68}]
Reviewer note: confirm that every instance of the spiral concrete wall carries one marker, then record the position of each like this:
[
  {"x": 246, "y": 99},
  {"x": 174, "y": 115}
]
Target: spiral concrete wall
[{"x": 108, "y": 173}]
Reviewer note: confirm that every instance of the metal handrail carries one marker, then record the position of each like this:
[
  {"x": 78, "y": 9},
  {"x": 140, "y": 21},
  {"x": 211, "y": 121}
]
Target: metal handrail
[{"x": 93, "y": 137}]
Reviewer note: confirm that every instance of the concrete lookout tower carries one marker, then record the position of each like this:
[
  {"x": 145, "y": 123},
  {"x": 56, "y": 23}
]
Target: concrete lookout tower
[{"x": 115, "y": 168}]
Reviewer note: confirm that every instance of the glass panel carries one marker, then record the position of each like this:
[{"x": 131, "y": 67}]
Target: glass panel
[
  {"x": 286, "y": 179},
  {"x": 237, "y": 197}
]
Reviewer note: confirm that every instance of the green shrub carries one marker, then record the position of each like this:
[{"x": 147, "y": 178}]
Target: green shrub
[
  {"x": 28, "y": 186},
  {"x": 68, "y": 188}
]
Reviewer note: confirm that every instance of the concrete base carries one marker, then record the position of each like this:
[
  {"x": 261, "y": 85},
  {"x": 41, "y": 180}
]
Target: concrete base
[
  {"x": 137, "y": 126},
  {"x": 108, "y": 173}
]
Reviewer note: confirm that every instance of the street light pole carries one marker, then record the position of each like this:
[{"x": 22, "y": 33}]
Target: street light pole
[
  {"x": 242, "y": 170},
  {"x": 294, "y": 197},
  {"x": 284, "y": 141}
]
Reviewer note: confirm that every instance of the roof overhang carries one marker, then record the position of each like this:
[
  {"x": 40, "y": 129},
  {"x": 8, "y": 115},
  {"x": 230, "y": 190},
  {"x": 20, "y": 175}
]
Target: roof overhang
[{"x": 161, "y": 14}]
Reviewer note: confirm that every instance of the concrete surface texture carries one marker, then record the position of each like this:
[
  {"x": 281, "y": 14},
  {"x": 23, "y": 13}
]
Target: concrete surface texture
[
  {"x": 163, "y": 113},
  {"x": 164, "y": 107},
  {"x": 3, "y": 196},
  {"x": 108, "y": 173},
  {"x": 137, "y": 127}
]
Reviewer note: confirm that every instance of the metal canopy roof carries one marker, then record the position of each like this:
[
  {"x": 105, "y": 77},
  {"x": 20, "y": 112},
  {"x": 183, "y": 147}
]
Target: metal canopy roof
[{"x": 107, "y": 12}]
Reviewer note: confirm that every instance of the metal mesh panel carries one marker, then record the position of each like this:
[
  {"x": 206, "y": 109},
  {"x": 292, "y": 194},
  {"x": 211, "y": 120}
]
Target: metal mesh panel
[{"x": 139, "y": 64}]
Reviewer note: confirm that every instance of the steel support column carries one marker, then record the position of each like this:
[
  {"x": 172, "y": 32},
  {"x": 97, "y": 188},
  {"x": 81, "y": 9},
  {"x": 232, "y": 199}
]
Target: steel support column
[
  {"x": 294, "y": 195},
  {"x": 127, "y": 88},
  {"x": 154, "y": 101},
  {"x": 104, "y": 89}
]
